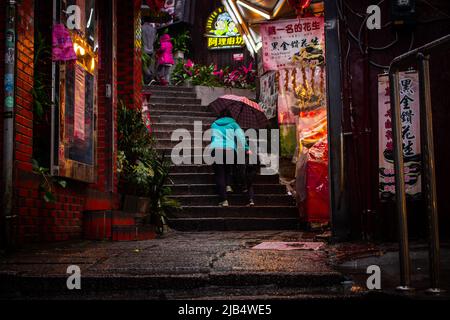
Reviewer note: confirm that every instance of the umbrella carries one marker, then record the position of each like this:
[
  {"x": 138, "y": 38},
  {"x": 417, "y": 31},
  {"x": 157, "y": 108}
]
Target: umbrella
[{"x": 248, "y": 114}]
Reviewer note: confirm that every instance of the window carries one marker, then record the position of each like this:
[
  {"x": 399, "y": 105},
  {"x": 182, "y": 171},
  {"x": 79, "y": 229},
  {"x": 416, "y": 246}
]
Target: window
[{"x": 75, "y": 97}]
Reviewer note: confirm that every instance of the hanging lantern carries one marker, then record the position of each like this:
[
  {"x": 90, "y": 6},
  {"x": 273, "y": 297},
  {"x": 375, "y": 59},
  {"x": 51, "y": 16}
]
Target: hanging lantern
[{"x": 299, "y": 5}]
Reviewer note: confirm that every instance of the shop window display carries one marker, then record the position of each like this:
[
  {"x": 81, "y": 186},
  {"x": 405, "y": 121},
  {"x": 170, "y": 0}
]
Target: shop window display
[
  {"x": 294, "y": 50},
  {"x": 76, "y": 96}
]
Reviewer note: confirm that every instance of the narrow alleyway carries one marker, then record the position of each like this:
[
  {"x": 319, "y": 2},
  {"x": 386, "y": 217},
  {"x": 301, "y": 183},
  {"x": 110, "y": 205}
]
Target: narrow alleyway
[{"x": 193, "y": 185}]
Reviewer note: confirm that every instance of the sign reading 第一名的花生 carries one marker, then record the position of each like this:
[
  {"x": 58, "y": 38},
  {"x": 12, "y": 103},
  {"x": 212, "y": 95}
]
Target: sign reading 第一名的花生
[
  {"x": 222, "y": 31},
  {"x": 285, "y": 43}
]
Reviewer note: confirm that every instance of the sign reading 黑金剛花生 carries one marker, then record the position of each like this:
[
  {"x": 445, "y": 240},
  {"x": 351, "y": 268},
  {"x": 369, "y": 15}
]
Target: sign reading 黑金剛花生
[
  {"x": 222, "y": 31},
  {"x": 410, "y": 118},
  {"x": 286, "y": 42}
]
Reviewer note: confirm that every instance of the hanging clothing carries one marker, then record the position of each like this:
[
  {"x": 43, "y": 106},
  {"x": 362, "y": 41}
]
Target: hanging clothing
[{"x": 149, "y": 34}]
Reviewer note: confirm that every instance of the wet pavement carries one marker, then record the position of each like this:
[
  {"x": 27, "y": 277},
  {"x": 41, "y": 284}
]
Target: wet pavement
[
  {"x": 200, "y": 265},
  {"x": 184, "y": 262},
  {"x": 353, "y": 260}
]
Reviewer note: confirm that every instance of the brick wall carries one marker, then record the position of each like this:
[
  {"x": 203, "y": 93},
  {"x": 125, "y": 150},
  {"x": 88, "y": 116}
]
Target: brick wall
[
  {"x": 129, "y": 77},
  {"x": 37, "y": 220},
  {"x": 61, "y": 220},
  {"x": 23, "y": 143}
]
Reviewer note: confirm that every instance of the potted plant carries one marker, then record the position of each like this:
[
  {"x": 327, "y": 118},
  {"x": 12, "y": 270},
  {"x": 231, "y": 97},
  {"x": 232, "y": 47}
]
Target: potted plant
[
  {"x": 180, "y": 44},
  {"x": 142, "y": 170},
  {"x": 183, "y": 73}
]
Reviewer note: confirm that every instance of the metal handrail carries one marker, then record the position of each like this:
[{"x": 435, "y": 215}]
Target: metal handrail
[{"x": 422, "y": 56}]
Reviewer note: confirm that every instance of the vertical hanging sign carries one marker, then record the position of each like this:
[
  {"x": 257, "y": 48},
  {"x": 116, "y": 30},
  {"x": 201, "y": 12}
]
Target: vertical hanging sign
[
  {"x": 10, "y": 56},
  {"x": 410, "y": 116}
]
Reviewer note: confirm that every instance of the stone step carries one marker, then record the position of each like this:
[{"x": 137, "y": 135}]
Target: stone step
[
  {"x": 169, "y": 143},
  {"x": 233, "y": 224},
  {"x": 138, "y": 282},
  {"x": 164, "y": 143},
  {"x": 194, "y": 168},
  {"x": 179, "y": 149},
  {"x": 236, "y": 200},
  {"x": 182, "y": 119},
  {"x": 181, "y": 159},
  {"x": 210, "y": 189},
  {"x": 165, "y": 134},
  {"x": 174, "y": 100},
  {"x": 236, "y": 211},
  {"x": 181, "y": 113},
  {"x": 116, "y": 226},
  {"x": 208, "y": 178},
  {"x": 168, "y": 88},
  {"x": 178, "y": 107},
  {"x": 172, "y": 93},
  {"x": 175, "y": 126}
]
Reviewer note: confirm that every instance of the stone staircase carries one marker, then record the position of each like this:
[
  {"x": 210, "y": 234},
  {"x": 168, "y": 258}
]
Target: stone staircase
[{"x": 193, "y": 184}]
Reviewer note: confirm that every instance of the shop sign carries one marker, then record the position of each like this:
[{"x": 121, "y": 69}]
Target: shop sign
[
  {"x": 222, "y": 32},
  {"x": 286, "y": 42},
  {"x": 410, "y": 116},
  {"x": 80, "y": 102}
]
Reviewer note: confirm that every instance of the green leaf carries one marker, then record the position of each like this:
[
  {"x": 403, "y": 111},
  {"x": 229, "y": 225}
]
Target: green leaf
[
  {"x": 49, "y": 197},
  {"x": 62, "y": 183}
]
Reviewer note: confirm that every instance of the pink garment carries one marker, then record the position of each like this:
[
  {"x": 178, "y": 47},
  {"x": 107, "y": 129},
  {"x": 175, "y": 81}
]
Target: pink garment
[
  {"x": 62, "y": 49},
  {"x": 165, "y": 55}
]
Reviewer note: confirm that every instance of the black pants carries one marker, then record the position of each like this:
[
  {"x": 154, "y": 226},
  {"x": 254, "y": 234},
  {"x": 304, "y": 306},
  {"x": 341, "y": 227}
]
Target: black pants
[
  {"x": 223, "y": 173},
  {"x": 244, "y": 176}
]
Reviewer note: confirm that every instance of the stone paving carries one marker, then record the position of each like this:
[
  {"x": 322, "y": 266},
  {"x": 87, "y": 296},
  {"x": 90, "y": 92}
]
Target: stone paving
[
  {"x": 207, "y": 265},
  {"x": 175, "y": 253},
  {"x": 177, "y": 260}
]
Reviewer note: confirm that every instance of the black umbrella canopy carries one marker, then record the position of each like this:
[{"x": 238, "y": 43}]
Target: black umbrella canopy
[{"x": 248, "y": 114}]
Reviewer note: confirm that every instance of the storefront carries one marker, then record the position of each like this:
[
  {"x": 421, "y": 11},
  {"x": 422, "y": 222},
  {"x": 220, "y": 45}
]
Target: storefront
[
  {"x": 60, "y": 162},
  {"x": 327, "y": 83},
  {"x": 289, "y": 46}
]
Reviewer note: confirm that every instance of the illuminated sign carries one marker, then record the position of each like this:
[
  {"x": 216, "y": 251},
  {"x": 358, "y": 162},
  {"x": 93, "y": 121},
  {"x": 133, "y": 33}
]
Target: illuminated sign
[{"x": 222, "y": 32}]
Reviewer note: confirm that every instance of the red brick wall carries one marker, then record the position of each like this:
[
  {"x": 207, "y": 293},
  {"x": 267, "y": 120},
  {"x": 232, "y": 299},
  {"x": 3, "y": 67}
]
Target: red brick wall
[
  {"x": 37, "y": 220},
  {"x": 62, "y": 220},
  {"x": 24, "y": 85},
  {"x": 129, "y": 77},
  {"x": 40, "y": 221}
]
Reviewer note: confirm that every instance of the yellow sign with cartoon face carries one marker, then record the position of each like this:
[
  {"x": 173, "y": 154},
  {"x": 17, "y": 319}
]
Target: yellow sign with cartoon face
[{"x": 222, "y": 31}]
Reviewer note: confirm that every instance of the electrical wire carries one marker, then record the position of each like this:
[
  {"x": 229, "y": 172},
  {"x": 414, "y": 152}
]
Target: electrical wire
[
  {"x": 435, "y": 8},
  {"x": 355, "y": 38}
]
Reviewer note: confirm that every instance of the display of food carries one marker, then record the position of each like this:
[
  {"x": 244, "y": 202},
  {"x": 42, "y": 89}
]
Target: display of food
[{"x": 311, "y": 55}]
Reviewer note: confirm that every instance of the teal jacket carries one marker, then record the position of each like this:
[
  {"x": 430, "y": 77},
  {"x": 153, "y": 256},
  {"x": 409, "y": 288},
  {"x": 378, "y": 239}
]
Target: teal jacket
[{"x": 225, "y": 132}]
